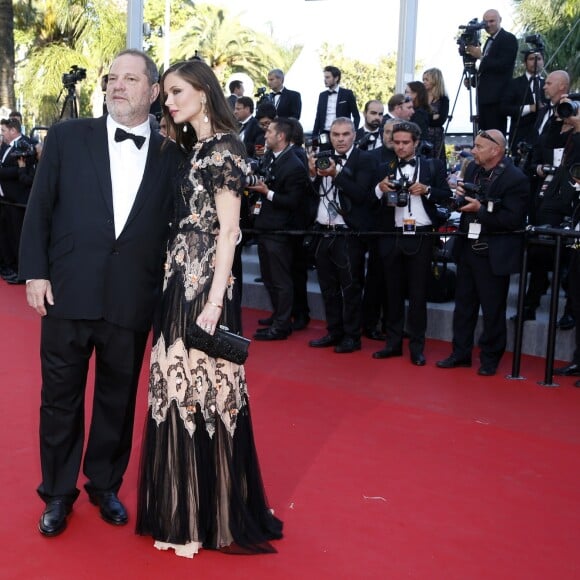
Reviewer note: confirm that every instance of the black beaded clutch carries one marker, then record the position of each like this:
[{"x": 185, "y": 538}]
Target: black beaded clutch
[{"x": 222, "y": 344}]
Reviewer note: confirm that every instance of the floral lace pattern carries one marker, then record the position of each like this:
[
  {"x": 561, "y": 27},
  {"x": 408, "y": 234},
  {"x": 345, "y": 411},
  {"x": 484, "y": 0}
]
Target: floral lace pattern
[{"x": 196, "y": 382}]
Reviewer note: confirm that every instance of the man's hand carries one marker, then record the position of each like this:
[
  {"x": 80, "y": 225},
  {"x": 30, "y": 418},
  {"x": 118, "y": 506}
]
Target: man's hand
[
  {"x": 38, "y": 292},
  {"x": 418, "y": 188},
  {"x": 474, "y": 51},
  {"x": 385, "y": 185},
  {"x": 261, "y": 188},
  {"x": 472, "y": 206}
]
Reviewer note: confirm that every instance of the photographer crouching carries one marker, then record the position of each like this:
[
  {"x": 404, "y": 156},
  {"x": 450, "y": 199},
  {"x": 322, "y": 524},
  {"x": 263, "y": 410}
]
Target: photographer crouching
[{"x": 485, "y": 260}]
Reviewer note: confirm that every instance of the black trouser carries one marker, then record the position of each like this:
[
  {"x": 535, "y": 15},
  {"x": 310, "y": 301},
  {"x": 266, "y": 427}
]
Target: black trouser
[
  {"x": 574, "y": 296},
  {"x": 491, "y": 117},
  {"x": 275, "y": 254},
  {"x": 374, "y": 302},
  {"x": 340, "y": 266},
  {"x": 300, "y": 308},
  {"x": 478, "y": 286},
  {"x": 66, "y": 348},
  {"x": 408, "y": 275}
]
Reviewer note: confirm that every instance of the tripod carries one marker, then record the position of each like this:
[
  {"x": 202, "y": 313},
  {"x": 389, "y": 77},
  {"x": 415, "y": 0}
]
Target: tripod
[
  {"x": 69, "y": 107},
  {"x": 468, "y": 79}
]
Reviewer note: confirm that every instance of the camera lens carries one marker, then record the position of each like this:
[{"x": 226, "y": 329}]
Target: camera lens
[{"x": 566, "y": 109}]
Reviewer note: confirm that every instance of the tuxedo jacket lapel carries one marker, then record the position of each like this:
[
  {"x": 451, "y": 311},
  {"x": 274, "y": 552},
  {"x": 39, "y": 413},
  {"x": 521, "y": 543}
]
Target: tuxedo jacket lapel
[{"x": 98, "y": 146}]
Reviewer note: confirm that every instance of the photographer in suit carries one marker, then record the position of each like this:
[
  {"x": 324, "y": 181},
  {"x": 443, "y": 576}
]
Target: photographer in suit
[
  {"x": 250, "y": 131},
  {"x": 287, "y": 103},
  {"x": 369, "y": 137},
  {"x": 496, "y": 69},
  {"x": 344, "y": 184},
  {"x": 335, "y": 102},
  {"x": 485, "y": 262},
  {"x": 14, "y": 189},
  {"x": 410, "y": 187},
  {"x": 282, "y": 190},
  {"x": 523, "y": 100},
  {"x": 92, "y": 252}
]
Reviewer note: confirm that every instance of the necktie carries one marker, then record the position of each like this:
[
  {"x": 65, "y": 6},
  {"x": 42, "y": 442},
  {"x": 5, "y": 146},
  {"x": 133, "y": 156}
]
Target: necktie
[
  {"x": 487, "y": 46},
  {"x": 410, "y": 162},
  {"x": 122, "y": 135}
]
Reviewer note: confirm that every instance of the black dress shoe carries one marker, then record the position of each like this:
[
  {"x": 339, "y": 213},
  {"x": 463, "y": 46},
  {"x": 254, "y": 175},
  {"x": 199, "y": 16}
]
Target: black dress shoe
[
  {"x": 418, "y": 359},
  {"x": 375, "y": 335},
  {"x": 272, "y": 334},
  {"x": 328, "y": 340},
  {"x": 527, "y": 314},
  {"x": 452, "y": 362},
  {"x": 300, "y": 322},
  {"x": 566, "y": 322},
  {"x": 53, "y": 519},
  {"x": 486, "y": 370},
  {"x": 572, "y": 370},
  {"x": 347, "y": 345},
  {"x": 112, "y": 510},
  {"x": 265, "y": 321},
  {"x": 388, "y": 353}
]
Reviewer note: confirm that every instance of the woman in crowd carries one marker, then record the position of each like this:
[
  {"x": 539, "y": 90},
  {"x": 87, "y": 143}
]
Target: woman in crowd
[
  {"x": 439, "y": 110},
  {"x": 200, "y": 482}
]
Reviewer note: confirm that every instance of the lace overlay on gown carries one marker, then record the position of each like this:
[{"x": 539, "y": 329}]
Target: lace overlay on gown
[{"x": 200, "y": 482}]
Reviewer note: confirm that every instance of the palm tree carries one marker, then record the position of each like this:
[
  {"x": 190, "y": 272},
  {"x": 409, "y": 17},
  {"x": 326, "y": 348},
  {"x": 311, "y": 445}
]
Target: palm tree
[
  {"x": 226, "y": 45},
  {"x": 67, "y": 33},
  {"x": 7, "y": 97}
]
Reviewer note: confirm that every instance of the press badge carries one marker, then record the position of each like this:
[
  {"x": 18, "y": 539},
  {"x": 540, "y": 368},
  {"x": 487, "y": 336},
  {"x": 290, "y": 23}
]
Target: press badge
[
  {"x": 409, "y": 227},
  {"x": 257, "y": 207},
  {"x": 474, "y": 231}
]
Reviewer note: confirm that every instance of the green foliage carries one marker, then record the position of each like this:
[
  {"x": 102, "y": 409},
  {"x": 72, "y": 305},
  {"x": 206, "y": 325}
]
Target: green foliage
[
  {"x": 367, "y": 81},
  {"x": 558, "y": 21}
]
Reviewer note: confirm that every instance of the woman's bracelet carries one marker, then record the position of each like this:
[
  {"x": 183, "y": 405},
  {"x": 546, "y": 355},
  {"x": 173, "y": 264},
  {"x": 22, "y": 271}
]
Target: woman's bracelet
[{"x": 214, "y": 304}]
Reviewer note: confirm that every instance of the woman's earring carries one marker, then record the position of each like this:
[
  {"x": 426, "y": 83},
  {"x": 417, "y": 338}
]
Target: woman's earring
[
  {"x": 185, "y": 127},
  {"x": 205, "y": 118}
]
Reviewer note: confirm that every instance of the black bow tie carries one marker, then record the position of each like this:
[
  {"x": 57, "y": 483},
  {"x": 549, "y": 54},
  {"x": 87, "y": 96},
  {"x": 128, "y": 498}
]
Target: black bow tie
[
  {"x": 122, "y": 135},
  {"x": 332, "y": 92},
  {"x": 411, "y": 162}
]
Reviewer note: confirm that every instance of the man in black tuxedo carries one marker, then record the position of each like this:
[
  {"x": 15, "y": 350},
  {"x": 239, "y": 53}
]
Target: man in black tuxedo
[
  {"x": 496, "y": 69},
  {"x": 345, "y": 190},
  {"x": 524, "y": 99},
  {"x": 236, "y": 88},
  {"x": 92, "y": 252},
  {"x": 250, "y": 131},
  {"x": 334, "y": 102},
  {"x": 369, "y": 136},
  {"x": 281, "y": 196},
  {"x": 288, "y": 103},
  {"x": 485, "y": 262},
  {"x": 14, "y": 190},
  {"x": 406, "y": 257}
]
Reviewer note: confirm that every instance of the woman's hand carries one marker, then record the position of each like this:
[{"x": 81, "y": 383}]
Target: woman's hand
[{"x": 209, "y": 316}]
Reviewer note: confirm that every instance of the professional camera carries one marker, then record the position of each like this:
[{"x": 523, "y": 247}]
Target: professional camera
[
  {"x": 366, "y": 141},
  {"x": 253, "y": 180},
  {"x": 320, "y": 142},
  {"x": 565, "y": 109},
  {"x": 261, "y": 172},
  {"x": 22, "y": 149},
  {"x": 471, "y": 190},
  {"x": 75, "y": 75},
  {"x": 261, "y": 96},
  {"x": 469, "y": 36},
  {"x": 322, "y": 159},
  {"x": 536, "y": 41},
  {"x": 401, "y": 187}
]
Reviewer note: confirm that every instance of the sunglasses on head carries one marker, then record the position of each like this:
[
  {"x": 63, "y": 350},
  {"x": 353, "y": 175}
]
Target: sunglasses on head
[{"x": 485, "y": 135}]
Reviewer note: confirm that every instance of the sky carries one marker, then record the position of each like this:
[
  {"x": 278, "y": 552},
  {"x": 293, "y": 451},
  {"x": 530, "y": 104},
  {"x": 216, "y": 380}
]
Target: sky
[{"x": 368, "y": 29}]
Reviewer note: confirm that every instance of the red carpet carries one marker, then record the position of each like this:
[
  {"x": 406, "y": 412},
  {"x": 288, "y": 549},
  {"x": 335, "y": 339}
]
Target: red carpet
[{"x": 379, "y": 470}]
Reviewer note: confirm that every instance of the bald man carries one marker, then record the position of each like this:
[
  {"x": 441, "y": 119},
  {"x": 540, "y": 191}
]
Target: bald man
[
  {"x": 485, "y": 262},
  {"x": 496, "y": 69}
]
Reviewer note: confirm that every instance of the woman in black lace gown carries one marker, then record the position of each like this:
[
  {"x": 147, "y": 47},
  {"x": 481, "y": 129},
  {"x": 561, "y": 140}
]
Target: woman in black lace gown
[{"x": 200, "y": 482}]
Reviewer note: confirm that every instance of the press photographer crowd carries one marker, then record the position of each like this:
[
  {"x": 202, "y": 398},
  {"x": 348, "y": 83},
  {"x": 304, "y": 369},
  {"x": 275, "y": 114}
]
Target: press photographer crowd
[{"x": 366, "y": 198}]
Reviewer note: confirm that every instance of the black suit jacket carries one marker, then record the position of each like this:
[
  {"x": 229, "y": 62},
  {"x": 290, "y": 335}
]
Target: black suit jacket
[
  {"x": 345, "y": 107},
  {"x": 289, "y": 104},
  {"x": 253, "y": 133},
  {"x": 290, "y": 184},
  {"x": 497, "y": 68},
  {"x": 69, "y": 234},
  {"x": 14, "y": 188},
  {"x": 354, "y": 187},
  {"x": 512, "y": 188},
  {"x": 518, "y": 94}
]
